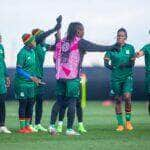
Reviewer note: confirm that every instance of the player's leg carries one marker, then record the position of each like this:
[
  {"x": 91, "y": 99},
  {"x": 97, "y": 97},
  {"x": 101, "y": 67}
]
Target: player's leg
[
  {"x": 72, "y": 92},
  {"x": 38, "y": 112},
  {"x": 60, "y": 96},
  {"x": 62, "y": 115},
  {"x": 28, "y": 114},
  {"x": 147, "y": 89},
  {"x": 3, "y": 128},
  {"x": 79, "y": 112},
  {"x": 127, "y": 90},
  {"x": 117, "y": 90},
  {"x": 22, "y": 110}
]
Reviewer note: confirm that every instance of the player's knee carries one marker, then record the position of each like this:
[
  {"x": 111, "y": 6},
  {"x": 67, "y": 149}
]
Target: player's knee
[
  {"x": 117, "y": 99},
  {"x": 127, "y": 96}
]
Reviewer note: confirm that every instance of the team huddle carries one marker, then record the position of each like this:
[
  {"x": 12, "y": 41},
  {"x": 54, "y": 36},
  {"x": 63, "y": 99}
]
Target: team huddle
[{"x": 68, "y": 56}]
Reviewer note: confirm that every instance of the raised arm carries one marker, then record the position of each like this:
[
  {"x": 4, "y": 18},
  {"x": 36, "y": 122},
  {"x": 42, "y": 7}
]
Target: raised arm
[{"x": 44, "y": 35}]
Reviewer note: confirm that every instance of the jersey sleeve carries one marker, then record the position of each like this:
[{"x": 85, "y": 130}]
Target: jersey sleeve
[
  {"x": 20, "y": 59},
  {"x": 107, "y": 55},
  {"x": 144, "y": 49},
  {"x": 132, "y": 52}
]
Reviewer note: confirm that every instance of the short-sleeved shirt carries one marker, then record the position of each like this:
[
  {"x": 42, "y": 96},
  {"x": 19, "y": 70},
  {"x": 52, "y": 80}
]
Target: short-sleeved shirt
[
  {"x": 124, "y": 55},
  {"x": 146, "y": 50}
]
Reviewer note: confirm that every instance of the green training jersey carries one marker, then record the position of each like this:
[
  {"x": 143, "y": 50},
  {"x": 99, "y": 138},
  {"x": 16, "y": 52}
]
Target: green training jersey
[
  {"x": 26, "y": 60},
  {"x": 146, "y": 50},
  {"x": 124, "y": 55},
  {"x": 40, "y": 52}
]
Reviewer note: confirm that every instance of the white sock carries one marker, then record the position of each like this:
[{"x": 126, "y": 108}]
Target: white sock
[
  {"x": 80, "y": 123},
  {"x": 60, "y": 123}
]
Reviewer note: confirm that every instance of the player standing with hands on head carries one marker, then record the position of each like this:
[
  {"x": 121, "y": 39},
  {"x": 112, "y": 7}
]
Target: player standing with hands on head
[
  {"x": 68, "y": 60},
  {"x": 4, "y": 83},
  {"x": 25, "y": 81},
  {"x": 40, "y": 51},
  {"x": 145, "y": 51},
  {"x": 121, "y": 63}
]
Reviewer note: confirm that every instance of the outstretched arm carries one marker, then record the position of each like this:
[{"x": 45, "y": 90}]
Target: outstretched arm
[{"x": 92, "y": 47}]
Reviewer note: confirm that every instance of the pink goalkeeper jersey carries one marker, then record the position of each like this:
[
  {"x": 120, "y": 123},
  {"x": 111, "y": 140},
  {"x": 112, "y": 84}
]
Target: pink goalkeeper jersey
[{"x": 67, "y": 59}]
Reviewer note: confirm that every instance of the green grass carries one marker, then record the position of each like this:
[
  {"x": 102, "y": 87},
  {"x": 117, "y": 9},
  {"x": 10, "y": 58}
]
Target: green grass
[{"x": 100, "y": 122}]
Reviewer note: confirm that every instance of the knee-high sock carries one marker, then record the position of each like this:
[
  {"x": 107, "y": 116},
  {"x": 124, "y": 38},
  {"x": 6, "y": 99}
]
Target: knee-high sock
[
  {"x": 56, "y": 109},
  {"x": 128, "y": 108},
  {"x": 62, "y": 113},
  {"x": 71, "y": 113},
  {"x": 22, "y": 111},
  {"x": 29, "y": 111},
  {"x": 79, "y": 111},
  {"x": 2, "y": 109},
  {"x": 38, "y": 108},
  {"x": 118, "y": 109}
]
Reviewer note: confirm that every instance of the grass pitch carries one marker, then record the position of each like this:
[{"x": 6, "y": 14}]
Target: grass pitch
[{"x": 100, "y": 123}]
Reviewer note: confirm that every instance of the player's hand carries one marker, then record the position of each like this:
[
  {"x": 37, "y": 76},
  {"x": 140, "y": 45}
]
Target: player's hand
[
  {"x": 7, "y": 82},
  {"x": 36, "y": 80},
  {"x": 59, "y": 19},
  {"x": 58, "y": 25},
  {"x": 139, "y": 54}
]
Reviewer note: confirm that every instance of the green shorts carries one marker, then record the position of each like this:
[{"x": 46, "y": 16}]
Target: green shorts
[
  {"x": 147, "y": 82},
  {"x": 68, "y": 88},
  {"x": 40, "y": 90},
  {"x": 3, "y": 88},
  {"x": 120, "y": 88},
  {"x": 24, "y": 91}
]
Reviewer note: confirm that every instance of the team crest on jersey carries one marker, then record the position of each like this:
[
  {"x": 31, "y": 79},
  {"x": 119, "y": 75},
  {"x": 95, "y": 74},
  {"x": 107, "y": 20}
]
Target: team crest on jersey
[
  {"x": 127, "y": 52},
  {"x": 22, "y": 94},
  {"x": 1, "y": 51},
  {"x": 65, "y": 47},
  {"x": 112, "y": 92},
  {"x": 44, "y": 49},
  {"x": 29, "y": 58}
]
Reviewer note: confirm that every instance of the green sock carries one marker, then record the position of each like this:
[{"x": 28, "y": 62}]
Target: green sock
[
  {"x": 119, "y": 119},
  {"x": 128, "y": 116},
  {"x": 22, "y": 123},
  {"x": 27, "y": 122}
]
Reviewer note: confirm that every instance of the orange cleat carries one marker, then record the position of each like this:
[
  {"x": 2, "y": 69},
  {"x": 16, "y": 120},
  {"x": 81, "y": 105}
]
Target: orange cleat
[
  {"x": 120, "y": 128},
  {"x": 129, "y": 125},
  {"x": 29, "y": 129},
  {"x": 23, "y": 131}
]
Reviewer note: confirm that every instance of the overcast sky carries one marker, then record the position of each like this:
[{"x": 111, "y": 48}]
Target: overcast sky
[{"x": 101, "y": 19}]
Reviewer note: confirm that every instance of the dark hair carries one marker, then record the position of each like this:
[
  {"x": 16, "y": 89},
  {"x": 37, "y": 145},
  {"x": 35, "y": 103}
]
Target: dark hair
[
  {"x": 123, "y": 30},
  {"x": 72, "y": 29}
]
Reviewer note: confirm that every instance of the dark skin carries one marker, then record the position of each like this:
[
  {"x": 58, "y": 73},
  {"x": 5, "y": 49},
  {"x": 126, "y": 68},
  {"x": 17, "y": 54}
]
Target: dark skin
[{"x": 121, "y": 40}]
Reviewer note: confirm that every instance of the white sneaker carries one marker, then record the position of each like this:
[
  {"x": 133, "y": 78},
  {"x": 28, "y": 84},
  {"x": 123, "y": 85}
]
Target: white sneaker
[
  {"x": 52, "y": 130},
  {"x": 4, "y": 129},
  {"x": 33, "y": 128},
  {"x": 71, "y": 132}
]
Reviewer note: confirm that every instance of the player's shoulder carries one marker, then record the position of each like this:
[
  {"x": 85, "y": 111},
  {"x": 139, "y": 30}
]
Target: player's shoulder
[
  {"x": 129, "y": 46},
  {"x": 1, "y": 47},
  {"x": 22, "y": 51},
  {"x": 146, "y": 46}
]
